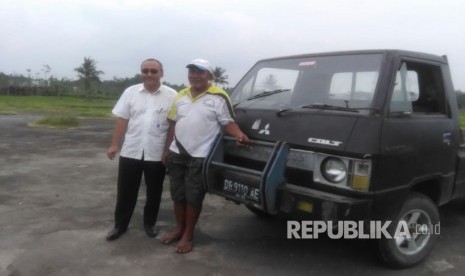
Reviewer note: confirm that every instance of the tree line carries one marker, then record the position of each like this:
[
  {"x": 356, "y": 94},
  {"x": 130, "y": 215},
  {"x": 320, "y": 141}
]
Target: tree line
[{"x": 88, "y": 84}]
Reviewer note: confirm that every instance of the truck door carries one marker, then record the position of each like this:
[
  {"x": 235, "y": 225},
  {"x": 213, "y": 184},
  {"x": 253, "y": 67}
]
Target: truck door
[{"x": 419, "y": 135}]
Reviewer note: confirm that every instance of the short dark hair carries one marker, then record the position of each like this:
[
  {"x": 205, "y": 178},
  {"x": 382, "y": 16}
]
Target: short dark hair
[{"x": 153, "y": 59}]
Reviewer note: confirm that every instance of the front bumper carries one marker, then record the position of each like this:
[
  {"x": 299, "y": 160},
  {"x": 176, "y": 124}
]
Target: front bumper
[{"x": 304, "y": 202}]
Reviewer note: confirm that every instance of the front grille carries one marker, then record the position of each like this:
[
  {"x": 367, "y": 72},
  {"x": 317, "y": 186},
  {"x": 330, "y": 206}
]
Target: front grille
[
  {"x": 244, "y": 162},
  {"x": 299, "y": 169},
  {"x": 298, "y": 177}
]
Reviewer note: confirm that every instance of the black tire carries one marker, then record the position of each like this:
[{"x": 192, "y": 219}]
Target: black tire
[
  {"x": 401, "y": 252},
  {"x": 258, "y": 212}
]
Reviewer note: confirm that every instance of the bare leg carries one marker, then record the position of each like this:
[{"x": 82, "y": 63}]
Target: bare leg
[
  {"x": 185, "y": 244},
  {"x": 176, "y": 234}
]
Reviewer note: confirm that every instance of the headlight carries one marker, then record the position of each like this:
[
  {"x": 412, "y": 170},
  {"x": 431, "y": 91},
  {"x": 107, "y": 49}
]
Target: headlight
[
  {"x": 343, "y": 172},
  {"x": 333, "y": 170}
]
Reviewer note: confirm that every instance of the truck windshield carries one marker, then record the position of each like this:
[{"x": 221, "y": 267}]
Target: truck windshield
[{"x": 346, "y": 81}]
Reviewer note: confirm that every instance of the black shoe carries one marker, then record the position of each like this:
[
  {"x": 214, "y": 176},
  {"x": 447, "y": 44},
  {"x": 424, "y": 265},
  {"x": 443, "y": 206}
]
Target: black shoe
[
  {"x": 115, "y": 233},
  {"x": 150, "y": 231}
]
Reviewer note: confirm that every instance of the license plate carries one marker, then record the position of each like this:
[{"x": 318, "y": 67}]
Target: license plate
[{"x": 241, "y": 191}]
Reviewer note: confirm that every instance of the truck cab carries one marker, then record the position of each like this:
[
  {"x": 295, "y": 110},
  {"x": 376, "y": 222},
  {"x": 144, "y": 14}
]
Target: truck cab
[{"x": 362, "y": 136}]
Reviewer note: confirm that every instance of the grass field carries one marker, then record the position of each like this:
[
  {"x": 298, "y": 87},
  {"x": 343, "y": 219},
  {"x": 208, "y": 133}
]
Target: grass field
[
  {"x": 462, "y": 118},
  {"x": 75, "y": 107},
  {"x": 57, "y": 106}
]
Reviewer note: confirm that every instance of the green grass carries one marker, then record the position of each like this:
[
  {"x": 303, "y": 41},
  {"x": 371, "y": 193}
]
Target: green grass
[
  {"x": 59, "y": 112},
  {"x": 58, "y": 121},
  {"x": 61, "y": 106},
  {"x": 66, "y": 107},
  {"x": 462, "y": 118}
]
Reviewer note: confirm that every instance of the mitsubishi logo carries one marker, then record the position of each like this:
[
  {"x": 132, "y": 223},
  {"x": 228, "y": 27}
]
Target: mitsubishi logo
[
  {"x": 266, "y": 130},
  {"x": 256, "y": 126}
]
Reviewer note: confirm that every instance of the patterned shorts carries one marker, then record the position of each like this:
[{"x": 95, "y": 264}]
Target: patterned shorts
[{"x": 186, "y": 180}]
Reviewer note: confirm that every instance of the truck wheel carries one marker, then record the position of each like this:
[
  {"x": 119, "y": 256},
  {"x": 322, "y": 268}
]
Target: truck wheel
[
  {"x": 258, "y": 212},
  {"x": 420, "y": 215}
]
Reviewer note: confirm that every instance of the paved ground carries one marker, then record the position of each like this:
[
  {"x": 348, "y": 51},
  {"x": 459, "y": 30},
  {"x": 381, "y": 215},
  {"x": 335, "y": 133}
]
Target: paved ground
[{"x": 57, "y": 193}]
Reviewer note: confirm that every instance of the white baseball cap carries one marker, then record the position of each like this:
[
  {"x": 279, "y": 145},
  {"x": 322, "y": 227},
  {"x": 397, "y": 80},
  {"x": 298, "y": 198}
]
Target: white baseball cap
[{"x": 201, "y": 64}]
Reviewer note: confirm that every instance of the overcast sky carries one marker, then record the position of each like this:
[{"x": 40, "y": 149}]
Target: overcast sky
[{"x": 233, "y": 34}]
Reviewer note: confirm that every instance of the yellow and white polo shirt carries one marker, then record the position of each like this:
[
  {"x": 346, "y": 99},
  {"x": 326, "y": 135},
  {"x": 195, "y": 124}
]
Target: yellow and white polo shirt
[{"x": 200, "y": 119}]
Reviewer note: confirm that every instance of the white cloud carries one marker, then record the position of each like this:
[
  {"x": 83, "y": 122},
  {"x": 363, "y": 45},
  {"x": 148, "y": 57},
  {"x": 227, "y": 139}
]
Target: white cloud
[{"x": 119, "y": 34}]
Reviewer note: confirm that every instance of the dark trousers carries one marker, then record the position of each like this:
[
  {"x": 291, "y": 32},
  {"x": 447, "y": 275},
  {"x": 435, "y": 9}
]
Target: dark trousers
[{"x": 129, "y": 179}]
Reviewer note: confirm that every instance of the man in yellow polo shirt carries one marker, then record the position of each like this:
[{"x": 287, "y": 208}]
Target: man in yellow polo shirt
[{"x": 197, "y": 115}]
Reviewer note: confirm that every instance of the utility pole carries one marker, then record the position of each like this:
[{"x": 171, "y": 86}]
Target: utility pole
[{"x": 46, "y": 70}]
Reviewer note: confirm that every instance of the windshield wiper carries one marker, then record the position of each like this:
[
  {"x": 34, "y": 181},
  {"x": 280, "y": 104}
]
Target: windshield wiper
[
  {"x": 263, "y": 94},
  {"x": 267, "y": 93},
  {"x": 324, "y": 107}
]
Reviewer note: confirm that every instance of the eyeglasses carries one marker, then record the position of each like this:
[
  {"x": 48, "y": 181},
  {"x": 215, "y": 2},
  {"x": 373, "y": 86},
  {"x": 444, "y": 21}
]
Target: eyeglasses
[{"x": 146, "y": 71}]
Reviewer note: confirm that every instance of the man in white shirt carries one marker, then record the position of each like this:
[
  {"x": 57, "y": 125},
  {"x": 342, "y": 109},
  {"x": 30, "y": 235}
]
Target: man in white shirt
[
  {"x": 141, "y": 120},
  {"x": 198, "y": 114}
]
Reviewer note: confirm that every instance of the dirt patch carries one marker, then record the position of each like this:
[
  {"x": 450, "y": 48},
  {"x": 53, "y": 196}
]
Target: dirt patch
[{"x": 57, "y": 196}]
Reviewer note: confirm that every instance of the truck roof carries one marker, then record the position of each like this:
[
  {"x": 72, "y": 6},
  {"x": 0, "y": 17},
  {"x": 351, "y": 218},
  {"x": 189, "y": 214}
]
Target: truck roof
[{"x": 388, "y": 52}]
